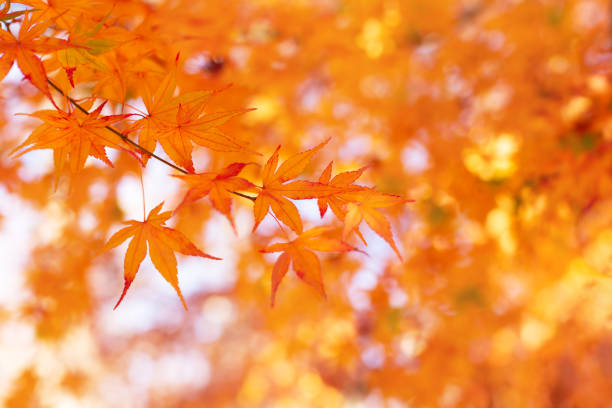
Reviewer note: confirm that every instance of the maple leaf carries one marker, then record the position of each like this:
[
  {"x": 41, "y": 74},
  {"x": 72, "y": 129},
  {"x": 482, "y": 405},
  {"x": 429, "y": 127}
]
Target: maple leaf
[
  {"x": 162, "y": 241},
  {"x": 88, "y": 39},
  {"x": 5, "y": 9},
  {"x": 161, "y": 107},
  {"x": 275, "y": 191},
  {"x": 176, "y": 122},
  {"x": 343, "y": 180},
  {"x": 363, "y": 205},
  {"x": 24, "y": 48},
  {"x": 299, "y": 252},
  {"x": 191, "y": 125},
  {"x": 66, "y": 11},
  {"x": 73, "y": 136},
  {"x": 217, "y": 186},
  {"x": 337, "y": 202}
]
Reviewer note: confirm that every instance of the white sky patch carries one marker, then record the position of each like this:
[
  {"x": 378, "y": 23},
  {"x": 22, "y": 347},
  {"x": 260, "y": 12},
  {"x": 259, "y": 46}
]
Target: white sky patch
[
  {"x": 201, "y": 275},
  {"x": 98, "y": 191},
  {"x": 240, "y": 56},
  {"x": 356, "y": 145},
  {"x": 373, "y": 356},
  {"x": 14, "y": 75},
  {"x": 150, "y": 301},
  {"x": 415, "y": 158},
  {"x": 587, "y": 15},
  {"x": 194, "y": 64},
  {"x": 95, "y": 162},
  {"x": 378, "y": 250},
  {"x": 141, "y": 368},
  {"x": 366, "y": 278},
  {"x": 201, "y": 159},
  {"x": 17, "y": 350},
  {"x": 136, "y": 107},
  {"x": 206, "y": 332},
  {"x": 496, "y": 98},
  {"x": 17, "y": 233},
  {"x": 150, "y": 287},
  {"x": 115, "y": 392},
  {"x": 140, "y": 311},
  {"x": 359, "y": 299},
  {"x": 310, "y": 94},
  {"x": 159, "y": 185},
  {"x": 112, "y": 155},
  {"x": 496, "y": 40},
  {"x": 49, "y": 360},
  {"x": 129, "y": 197},
  {"x": 217, "y": 313},
  {"x": 87, "y": 220},
  {"x": 309, "y": 212},
  {"x": 269, "y": 225},
  {"x": 397, "y": 298},
  {"x": 104, "y": 278},
  {"x": 36, "y": 164},
  {"x": 310, "y": 99},
  {"x": 188, "y": 368}
]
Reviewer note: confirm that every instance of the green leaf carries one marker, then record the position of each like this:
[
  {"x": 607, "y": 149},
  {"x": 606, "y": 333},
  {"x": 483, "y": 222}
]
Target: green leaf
[
  {"x": 97, "y": 47},
  {"x": 16, "y": 14},
  {"x": 98, "y": 26},
  {"x": 581, "y": 142}
]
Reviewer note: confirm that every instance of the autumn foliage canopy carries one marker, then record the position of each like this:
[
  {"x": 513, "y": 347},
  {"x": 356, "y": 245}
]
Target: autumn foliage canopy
[{"x": 371, "y": 203}]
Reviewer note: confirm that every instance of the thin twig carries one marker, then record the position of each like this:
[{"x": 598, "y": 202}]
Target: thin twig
[
  {"x": 115, "y": 131},
  {"x": 128, "y": 140},
  {"x": 243, "y": 195}
]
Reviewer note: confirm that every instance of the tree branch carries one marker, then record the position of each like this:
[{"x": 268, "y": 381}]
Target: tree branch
[
  {"x": 129, "y": 141},
  {"x": 115, "y": 131}
]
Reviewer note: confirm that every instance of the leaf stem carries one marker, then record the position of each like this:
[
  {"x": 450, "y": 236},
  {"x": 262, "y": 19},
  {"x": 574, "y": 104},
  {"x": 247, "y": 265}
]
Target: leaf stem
[
  {"x": 128, "y": 140},
  {"x": 243, "y": 195},
  {"x": 144, "y": 205}
]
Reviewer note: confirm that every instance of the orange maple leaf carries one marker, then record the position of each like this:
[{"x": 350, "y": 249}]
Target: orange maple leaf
[
  {"x": 88, "y": 39},
  {"x": 344, "y": 181},
  {"x": 24, "y": 48},
  {"x": 73, "y": 136},
  {"x": 275, "y": 191},
  {"x": 161, "y": 107},
  {"x": 175, "y": 122},
  {"x": 217, "y": 186},
  {"x": 5, "y": 9},
  {"x": 305, "y": 262},
  {"x": 192, "y": 125},
  {"x": 363, "y": 205},
  {"x": 163, "y": 242}
]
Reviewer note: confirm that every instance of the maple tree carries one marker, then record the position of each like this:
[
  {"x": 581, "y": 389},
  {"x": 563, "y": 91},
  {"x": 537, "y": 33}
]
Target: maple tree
[{"x": 434, "y": 174}]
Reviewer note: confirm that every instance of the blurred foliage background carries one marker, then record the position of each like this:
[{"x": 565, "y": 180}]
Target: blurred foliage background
[{"x": 495, "y": 116}]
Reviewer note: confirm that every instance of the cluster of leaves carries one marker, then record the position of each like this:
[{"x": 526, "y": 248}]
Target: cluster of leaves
[{"x": 176, "y": 120}]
